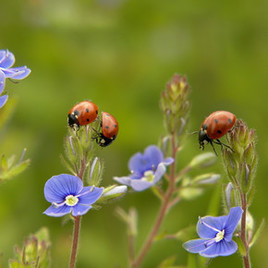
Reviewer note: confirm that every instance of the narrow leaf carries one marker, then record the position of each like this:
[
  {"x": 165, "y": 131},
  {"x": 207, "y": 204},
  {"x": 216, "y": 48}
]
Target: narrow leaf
[{"x": 257, "y": 233}]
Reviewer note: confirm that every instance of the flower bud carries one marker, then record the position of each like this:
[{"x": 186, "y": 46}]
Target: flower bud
[
  {"x": 113, "y": 192},
  {"x": 209, "y": 178},
  {"x": 95, "y": 173},
  {"x": 203, "y": 160}
]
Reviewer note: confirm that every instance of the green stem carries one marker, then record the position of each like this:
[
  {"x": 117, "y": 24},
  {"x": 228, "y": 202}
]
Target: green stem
[{"x": 163, "y": 209}]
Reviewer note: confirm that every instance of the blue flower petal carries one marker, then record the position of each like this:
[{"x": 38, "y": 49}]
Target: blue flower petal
[
  {"x": 2, "y": 81},
  {"x": 208, "y": 227},
  {"x": 154, "y": 154},
  {"x": 195, "y": 245},
  {"x": 57, "y": 212},
  {"x": 7, "y": 59},
  {"x": 123, "y": 180},
  {"x": 88, "y": 196},
  {"x": 80, "y": 209},
  {"x": 138, "y": 163},
  {"x": 17, "y": 73},
  {"x": 168, "y": 161},
  {"x": 3, "y": 100},
  {"x": 232, "y": 221},
  {"x": 222, "y": 248},
  {"x": 58, "y": 187},
  {"x": 140, "y": 185},
  {"x": 160, "y": 171},
  {"x": 2, "y": 54}
]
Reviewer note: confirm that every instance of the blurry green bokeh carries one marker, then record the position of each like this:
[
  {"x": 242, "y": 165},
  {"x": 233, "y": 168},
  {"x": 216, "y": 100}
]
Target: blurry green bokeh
[{"x": 120, "y": 54}]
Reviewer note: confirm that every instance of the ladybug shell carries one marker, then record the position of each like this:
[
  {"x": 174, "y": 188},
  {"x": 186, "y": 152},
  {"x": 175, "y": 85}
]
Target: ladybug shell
[
  {"x": 109, "y": 126},
  {"x": 218, "y": 124},
  {"x": 83, "y": 113}
]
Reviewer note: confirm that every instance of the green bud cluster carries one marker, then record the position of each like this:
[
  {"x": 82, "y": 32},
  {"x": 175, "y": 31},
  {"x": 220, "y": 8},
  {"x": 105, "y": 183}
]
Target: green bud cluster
[
  {"x": 34, "y": 253},
  {"x": 175, "y": 105},
  {"x": 241, "y": 163}
]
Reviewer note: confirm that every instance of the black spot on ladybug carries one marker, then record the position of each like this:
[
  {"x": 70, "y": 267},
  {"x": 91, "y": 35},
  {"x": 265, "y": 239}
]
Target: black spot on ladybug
[
  {"x": 107, "y": 127},
  {"x": 115, "y": 125},
  {"x": 230, "y": 120},
  {"x": 205, "y": 126},
  {"x": 219, "y": 131},
  {"x": 107, "y": 114},
  {"x": 76, "y": 112},
  {"x": 87, "y": 110},
  {"x": 216, "y": 121},
  {"x": 88, "y": 120},
  {"x": 96, "y": 112}
]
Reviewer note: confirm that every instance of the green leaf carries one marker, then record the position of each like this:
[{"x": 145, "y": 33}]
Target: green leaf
[
  {"x": 203, "y": 160},
  {"x": 16, "y": 170},
  {"x": 4, "y": 165},
  {"x": 257, "y": 233},
  {"x": 186, "y": 233}
]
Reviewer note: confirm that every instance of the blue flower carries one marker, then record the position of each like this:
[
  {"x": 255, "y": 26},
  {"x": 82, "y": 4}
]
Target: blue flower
[
  {"x": 146, "y": 169},
  {"x": 216, "y": 235},
  {"x": 7, "y": 59},
  {"x": 67, "y": 194}
]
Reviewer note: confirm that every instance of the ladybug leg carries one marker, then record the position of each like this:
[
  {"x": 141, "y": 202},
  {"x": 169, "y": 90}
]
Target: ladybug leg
[
  {"x": 223, "y": 144},
  {"x": 211, "y": 142}
]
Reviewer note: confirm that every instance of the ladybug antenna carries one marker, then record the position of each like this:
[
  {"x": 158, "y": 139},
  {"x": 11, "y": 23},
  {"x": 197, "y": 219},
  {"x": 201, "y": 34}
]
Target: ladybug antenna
[{"x": 191, "y": 133}]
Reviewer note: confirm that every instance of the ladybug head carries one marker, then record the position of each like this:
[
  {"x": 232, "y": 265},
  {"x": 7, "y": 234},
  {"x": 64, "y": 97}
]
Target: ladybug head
[
  {"x": 202, "y": 136},
  {"x": 73, "y": 120},
  {"x": 104, "y": 141}
]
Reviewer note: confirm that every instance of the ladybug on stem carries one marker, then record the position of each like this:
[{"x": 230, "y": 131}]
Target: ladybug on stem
[
  {"x": 109, "y": 130},
  {"x": 82, "y": 114},
  {"x": 214, "y": 127}
]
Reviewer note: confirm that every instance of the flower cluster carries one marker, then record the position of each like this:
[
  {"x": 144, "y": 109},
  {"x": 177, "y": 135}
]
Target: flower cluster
[{"x": 7, "y": 60}]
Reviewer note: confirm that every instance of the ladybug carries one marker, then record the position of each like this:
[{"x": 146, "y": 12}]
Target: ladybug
[
  {"x": 109, "y": 130},
  {"x": 214, "y": 127},
  {"x": 82, "y": 114}
]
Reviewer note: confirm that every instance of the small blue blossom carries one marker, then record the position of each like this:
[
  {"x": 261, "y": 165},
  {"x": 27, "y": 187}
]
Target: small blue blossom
[
  {"x": 146, "y": 169},
  {"x": 67, "y": 195},
  {"x": 7, "y": 59},
  {"x": 216, "y": 235}
]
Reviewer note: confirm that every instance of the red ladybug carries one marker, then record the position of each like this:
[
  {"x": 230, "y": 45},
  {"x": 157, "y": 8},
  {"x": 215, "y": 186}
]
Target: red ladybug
[
  {"x": 109, "y": 130},
  {"x": 82, "y": 114},
  {"x": 214, "y": 127}
]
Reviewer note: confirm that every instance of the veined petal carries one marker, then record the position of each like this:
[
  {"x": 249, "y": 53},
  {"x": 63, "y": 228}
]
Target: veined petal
[
  {"x": 57, "y": 212},
  {"x": 123, "y": 180},
  {"x": 208, "y": 227},
  {"x": 160, "y": 171},
  {"x": 89, "y": 196},
  {"x": 138, "y": 163},
  {"x": 232, "y": 221},
  {"x": 140, "y": 185},
  {"x": 58, "y": 187},
  {"x": 3, "y": 100},
  {"x": 7, "y": 59},
  {"x": 222, "y": 248},
  {"x": 17, "y": 73},
  {"x": 195, "y": 245},
  {"x": 2, "y": 54},
  {"x": 80, "y": 209},
  {"x": 2, "y": 81},
  {"x": 154, "y": 154}
]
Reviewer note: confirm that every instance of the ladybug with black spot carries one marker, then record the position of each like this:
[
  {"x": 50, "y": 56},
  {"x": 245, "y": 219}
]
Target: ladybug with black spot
[
  {"x": 82, "y": 114},
  {"x": 214, "y": 127},
  {"x": 109, "y": 130}
]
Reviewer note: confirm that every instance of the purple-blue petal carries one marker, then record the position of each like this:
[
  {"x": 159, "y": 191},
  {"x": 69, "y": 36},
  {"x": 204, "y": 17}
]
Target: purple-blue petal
[
  {"x": 138, "y": 163},
  {"x": 58, "y": 212},
  {"x": 3, "y": 100},
  {"x": 208, "y": 227},
  {"x": 154, "y": 154},
  {"x": 58, "y": 187},
  {"x": 160, "y": 171},
  {"x": 195, "y": 245},
  {"x": 2, "y": 54},
  {"x": 7, "y": 59},
  {"x": 80, "y": 209},
  {"x": 2, "y": 81},
  {"x": 232, "y": 221},
  {"x": 140, "y": 185},
  {"x": 88, "y": 196},
  {"x": 17, "y": 73},
  {"x": 168, "y": 161},
  {"x": 222, "y": 248},
  {"x": 123, "y": 180}
]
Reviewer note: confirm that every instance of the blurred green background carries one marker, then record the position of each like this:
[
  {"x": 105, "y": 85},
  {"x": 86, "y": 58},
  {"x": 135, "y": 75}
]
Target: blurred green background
[{"x": 120, "y": 54}]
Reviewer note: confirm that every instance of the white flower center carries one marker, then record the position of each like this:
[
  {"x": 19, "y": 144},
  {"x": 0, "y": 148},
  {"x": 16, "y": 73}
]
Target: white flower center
[
  {"x": 149, "y": 175},
  {"x": 219, "y": 236},
  {"x": 71, "y": 200}
]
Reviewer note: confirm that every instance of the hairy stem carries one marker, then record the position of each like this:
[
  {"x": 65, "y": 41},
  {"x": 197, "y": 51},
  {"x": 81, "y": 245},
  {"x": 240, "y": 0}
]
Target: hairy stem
[
  {"x": 77, "y": 222},
  {"x": 163, "y": 209}
]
